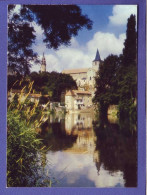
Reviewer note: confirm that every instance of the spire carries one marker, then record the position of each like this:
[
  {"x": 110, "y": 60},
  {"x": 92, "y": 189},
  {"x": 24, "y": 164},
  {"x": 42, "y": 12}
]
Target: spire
[
  {"x": 43, "y": 64},
  {"x": 43, "y": 60},
  {"x": 97, "y": 57}
]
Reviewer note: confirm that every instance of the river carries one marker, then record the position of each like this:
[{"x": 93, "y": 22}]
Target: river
[{"x": 84, "y": 151}]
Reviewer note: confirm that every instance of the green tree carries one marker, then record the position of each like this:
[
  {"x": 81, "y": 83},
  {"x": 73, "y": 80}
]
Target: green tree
[
  {"x": 52, "y": 84},
  {"x": 127, "y": 76},
  {"x": 21, "y": 36},
  {"x": 130, "y": 44},
  {"x": 106, "y": 83},
  {"x": 116, "y": 82},
  {"x": 58, "y": 22}
]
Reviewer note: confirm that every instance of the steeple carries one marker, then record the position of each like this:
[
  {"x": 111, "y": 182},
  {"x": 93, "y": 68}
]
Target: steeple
[
  {"x": 96, "y": 61},
  {"x": 43, "y": 64},
  {"x": 97, "y": 57}
]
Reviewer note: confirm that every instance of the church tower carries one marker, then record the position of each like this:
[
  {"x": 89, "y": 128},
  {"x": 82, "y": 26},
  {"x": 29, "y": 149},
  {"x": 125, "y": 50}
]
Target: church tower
[
  {"x": 43, "y": 64},
  {"x": 96, "y": 61}
]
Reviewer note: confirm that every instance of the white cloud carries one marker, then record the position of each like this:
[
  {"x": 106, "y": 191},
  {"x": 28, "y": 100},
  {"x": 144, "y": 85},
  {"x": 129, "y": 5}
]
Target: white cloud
[
  {"x": 73, "y": 58},
  {"x": 52, "y": 63},
  {"x": 107, "y": 43},
  {"x": 121, "y": 13},
  {"x": 81, "y": 56},
  {"x": 39, "y": 31}
]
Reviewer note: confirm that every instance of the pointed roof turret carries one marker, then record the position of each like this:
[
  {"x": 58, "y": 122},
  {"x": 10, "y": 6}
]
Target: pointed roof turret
[
  {"x": 43, "y": 59},
  {"x": 97, "y": 57}
]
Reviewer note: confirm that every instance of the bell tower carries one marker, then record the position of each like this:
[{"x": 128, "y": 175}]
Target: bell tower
[
  {"x": 96, "y": 61},
  {"x": 43, "y": 64}
]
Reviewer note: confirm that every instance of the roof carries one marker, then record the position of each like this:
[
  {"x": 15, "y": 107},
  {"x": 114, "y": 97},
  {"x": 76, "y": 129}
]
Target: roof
[
  {"x": 97, "y": 57},
  {"x": 82, "y": 92},
  {"x": 75, "y": 71},
  {"x": 70, "y": 93},
  {"x": 33, "y": 95},
  {"x": 75, "y": 92}
]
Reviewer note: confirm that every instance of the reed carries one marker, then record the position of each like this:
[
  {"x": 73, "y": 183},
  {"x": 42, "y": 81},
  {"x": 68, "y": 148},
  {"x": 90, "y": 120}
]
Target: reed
[{"x": 23, "y": 145}]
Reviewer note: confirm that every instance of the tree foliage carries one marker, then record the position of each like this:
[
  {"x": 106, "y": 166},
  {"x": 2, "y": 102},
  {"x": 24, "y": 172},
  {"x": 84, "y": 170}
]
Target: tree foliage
[
  {"x": 21, "y": 36},
  {"x": 116, "y": 82},
  {"x": 130, "y": 44},
  {"x": 52, "y": 84},
  {"x": 106, "y": 83},
  {"x": 128, "y": 73},
  {"x": 58, "y": 22}
]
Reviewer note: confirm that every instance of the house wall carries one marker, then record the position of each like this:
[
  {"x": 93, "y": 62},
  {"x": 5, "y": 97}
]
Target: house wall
[
  {"x": 89, "y": 78},
  {"x": 22, "y": 97},
  {"x": 87, "y": 100},
  {"x": 80, "y": 101},
  {"x": 69, "y": 102}
]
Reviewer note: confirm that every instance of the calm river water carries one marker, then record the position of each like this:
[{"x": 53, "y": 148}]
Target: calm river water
[{"x": 87, "y": 152}]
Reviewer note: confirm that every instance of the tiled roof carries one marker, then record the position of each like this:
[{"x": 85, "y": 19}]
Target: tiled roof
[
  {"x": 70, "y": 93},
  {"x": 74, "y": 71},
  {"x": 74, "y": 92}
]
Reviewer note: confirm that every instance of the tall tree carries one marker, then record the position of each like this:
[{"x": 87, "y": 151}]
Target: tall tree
[
  {"x": 58, "y": 22},
  {"x": 116, "y": 82},
  {"x": 130, "y": 44},
  {"x": 127, "y": 77}
]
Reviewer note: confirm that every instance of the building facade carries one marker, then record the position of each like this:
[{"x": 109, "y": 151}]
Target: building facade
[
  {"x": 77, "y": 100},
  {"x": 85, "y": 77},
  {"x": 22, "y": 96}
]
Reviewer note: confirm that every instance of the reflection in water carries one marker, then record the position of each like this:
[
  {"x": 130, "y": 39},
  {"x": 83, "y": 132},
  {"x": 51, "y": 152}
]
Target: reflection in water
[
  {"x": 87, "y": 153},
  {"x": 118, "y": 149}
]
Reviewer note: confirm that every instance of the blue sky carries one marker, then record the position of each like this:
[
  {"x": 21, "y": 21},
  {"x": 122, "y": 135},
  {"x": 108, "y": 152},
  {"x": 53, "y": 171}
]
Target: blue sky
[
  {"x": 108, "y": 35},
  {"x": 99, "y": 15}
]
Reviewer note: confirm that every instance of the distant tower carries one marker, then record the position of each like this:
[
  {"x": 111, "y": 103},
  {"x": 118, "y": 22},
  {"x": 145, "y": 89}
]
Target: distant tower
[
  {"x": 96, "y": 61},
  {"x": 43, "y": 64}
]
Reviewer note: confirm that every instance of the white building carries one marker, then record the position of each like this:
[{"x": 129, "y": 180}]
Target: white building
[
  {"x": 77, "y": 100},
  {"x": 85, "y": 77}
]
